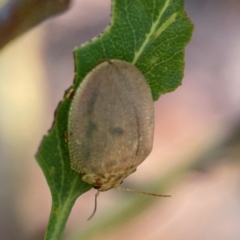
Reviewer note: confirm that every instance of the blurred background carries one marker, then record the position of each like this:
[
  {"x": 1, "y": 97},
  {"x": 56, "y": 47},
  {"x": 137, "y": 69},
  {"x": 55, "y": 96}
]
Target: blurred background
[{"x": 197, "y": 135}]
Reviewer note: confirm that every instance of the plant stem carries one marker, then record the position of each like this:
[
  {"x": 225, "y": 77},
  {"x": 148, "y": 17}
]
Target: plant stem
[{"x": 58, "y": 218}]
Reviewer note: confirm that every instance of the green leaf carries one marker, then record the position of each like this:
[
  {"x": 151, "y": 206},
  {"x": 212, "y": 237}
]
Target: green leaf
[{"x": 149, "y": 34}]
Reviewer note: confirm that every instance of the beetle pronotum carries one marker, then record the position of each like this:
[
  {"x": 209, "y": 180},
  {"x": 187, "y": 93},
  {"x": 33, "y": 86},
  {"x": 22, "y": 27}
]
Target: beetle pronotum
[{"x": 110, "y": 125}]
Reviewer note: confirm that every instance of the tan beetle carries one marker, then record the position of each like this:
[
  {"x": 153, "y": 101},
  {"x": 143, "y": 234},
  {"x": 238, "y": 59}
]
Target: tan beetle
[{"x": 110, "y": 125}]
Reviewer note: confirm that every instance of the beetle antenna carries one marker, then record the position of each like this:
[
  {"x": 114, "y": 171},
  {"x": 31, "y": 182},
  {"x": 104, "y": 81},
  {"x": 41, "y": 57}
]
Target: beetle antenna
[
  {"x": 146, "y": 193},
  {"x": 95, "y": 206}
]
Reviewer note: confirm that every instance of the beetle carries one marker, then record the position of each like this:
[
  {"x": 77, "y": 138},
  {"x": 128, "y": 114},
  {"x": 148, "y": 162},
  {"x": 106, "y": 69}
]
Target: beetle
[{"x": 110, "y": 124}]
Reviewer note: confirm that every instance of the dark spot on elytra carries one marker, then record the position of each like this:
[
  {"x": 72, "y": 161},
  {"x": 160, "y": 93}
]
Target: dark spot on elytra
[
  {"x": 116, "y": 131},
  {"x": 92, "y": 102},
  {"x": 87, "y": 148},
  {"x": 91, "y": 128}
]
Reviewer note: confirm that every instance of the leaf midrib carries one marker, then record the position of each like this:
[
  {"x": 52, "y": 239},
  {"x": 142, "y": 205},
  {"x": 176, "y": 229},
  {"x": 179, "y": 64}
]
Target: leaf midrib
[{"x": 165, "y": 25}]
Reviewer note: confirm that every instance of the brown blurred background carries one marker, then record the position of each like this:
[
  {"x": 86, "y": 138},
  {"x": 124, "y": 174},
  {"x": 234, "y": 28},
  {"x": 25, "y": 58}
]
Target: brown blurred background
[{"x": 35, "y": 70}]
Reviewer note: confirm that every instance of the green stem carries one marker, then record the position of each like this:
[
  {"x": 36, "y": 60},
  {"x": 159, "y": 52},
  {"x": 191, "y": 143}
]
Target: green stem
[{"x": 58, "y": 218}]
